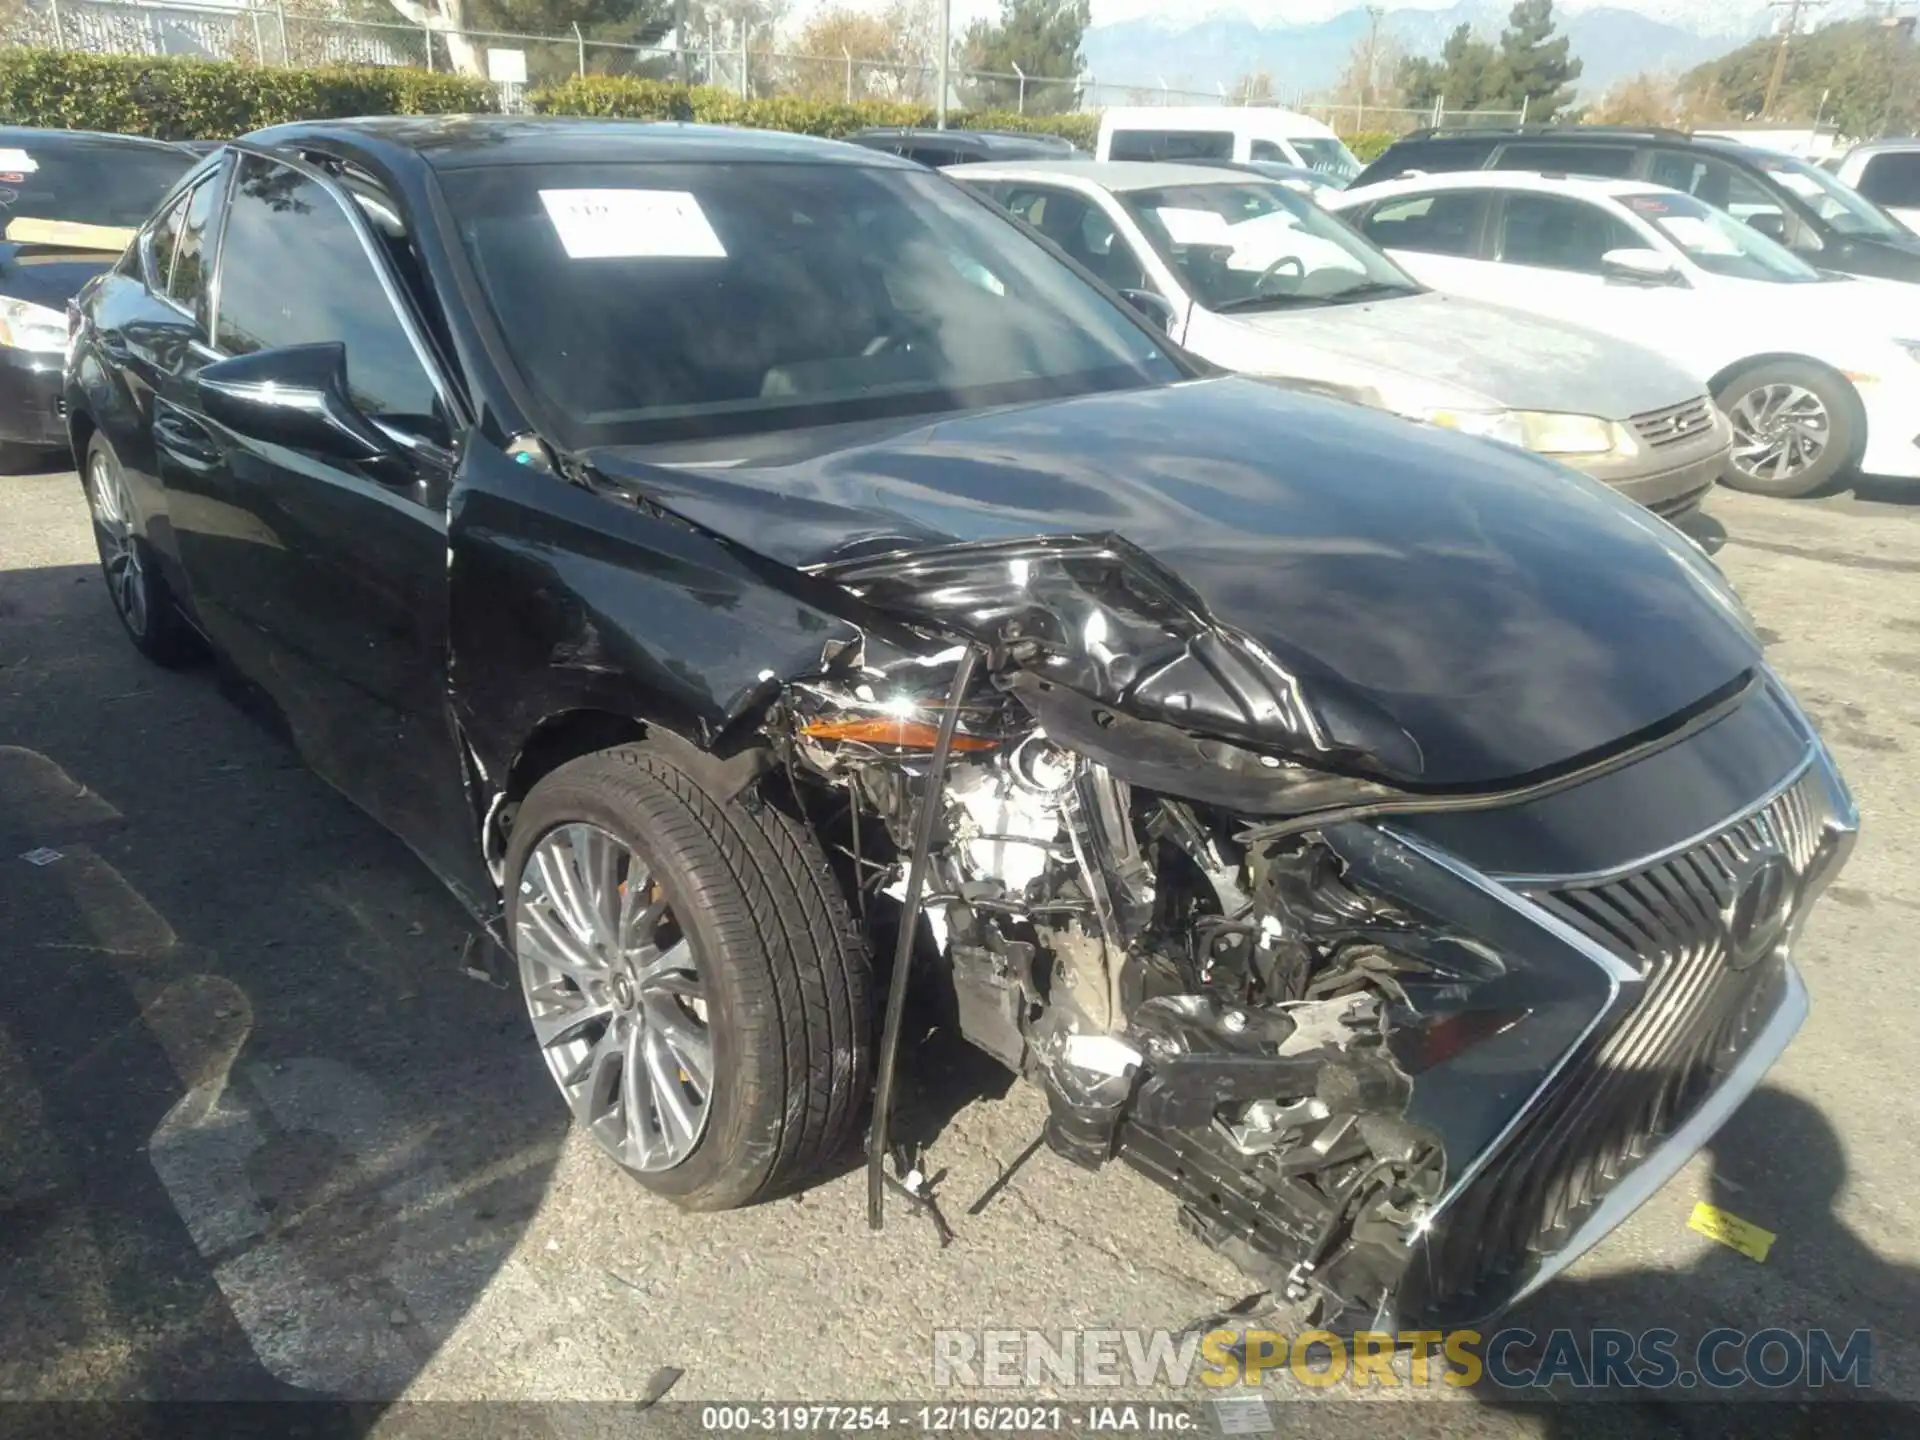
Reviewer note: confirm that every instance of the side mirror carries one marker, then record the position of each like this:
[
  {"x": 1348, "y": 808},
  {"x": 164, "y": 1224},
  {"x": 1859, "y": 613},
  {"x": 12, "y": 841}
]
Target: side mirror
[
  {"x": 1639, "y": 267},
  {"x": 294, "y": 396},
  {"x": 1155, "y": 307},
  {"x": 1770, "y": 223}
]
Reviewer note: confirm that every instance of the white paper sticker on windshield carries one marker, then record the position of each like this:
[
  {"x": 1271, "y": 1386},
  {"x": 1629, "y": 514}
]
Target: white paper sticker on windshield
[
  {"x": 1697, "y": 234},
  {"x": 17, "y": 162},
  {"x": 630, "y": 224},
  {"x": 1195, "y": 227}
]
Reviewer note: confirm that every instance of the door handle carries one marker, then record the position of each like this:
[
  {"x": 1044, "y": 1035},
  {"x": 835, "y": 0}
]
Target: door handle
[{"x": 185, "y": 442}]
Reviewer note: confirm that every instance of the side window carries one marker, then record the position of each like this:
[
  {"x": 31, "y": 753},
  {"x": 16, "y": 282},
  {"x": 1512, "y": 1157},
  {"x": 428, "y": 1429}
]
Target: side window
[
  {"x": 1719, "y": 184},
  {"x": 1444, "y": 223},
  {"x": 162, "y": 241},
  {"x": 1557, "y": 233},
  {"x": 1613, "y": 161},
  {"x": 933, "y": 156},
  {"x": 189, "y": 283},
  {"x": 1892, "y": 179},
  {"x": 1267, "y": 150},
  {"x": 1082, "y": 229},
  {"x": 1432, "y": 157},
  {"x": 1171, "y": 145},
  {"x": 283, "y": 225}
]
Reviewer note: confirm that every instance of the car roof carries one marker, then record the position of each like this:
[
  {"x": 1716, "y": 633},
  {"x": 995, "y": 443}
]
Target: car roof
[
  {"x": 1590, "y": 186},
  {"x": 455, "y": 142},
  {"x": 986, "y": 138},
  {"x": 1266, "y": 119},
  {"x": 1891, "y": 144},
  {"x": 1116, "y": 175},
  {"x": 26, "y": 137}
]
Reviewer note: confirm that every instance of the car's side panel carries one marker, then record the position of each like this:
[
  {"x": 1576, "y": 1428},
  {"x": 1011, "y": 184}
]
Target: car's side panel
[{"x": 565, "y": 597}]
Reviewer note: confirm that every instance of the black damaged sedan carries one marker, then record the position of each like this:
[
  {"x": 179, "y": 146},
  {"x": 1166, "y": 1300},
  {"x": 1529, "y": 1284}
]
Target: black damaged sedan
[{"x": 745, "y": 567}]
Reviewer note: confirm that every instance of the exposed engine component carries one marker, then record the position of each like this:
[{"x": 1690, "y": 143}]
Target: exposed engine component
[{"x": 1172, "y": 991}]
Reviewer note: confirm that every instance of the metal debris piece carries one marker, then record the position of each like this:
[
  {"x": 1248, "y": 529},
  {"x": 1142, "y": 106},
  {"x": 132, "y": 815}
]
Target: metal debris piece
[{"x": 42, "y": 856}]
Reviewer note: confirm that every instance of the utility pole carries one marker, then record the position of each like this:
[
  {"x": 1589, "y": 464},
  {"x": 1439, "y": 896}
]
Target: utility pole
[
  {"x": 946, "y": 51},
  {"x": 1787, "y": 32},
  {"x": 1374, "y": 14}
]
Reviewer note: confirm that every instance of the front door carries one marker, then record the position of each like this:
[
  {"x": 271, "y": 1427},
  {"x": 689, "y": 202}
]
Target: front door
[{"x": 324, "y": 580}]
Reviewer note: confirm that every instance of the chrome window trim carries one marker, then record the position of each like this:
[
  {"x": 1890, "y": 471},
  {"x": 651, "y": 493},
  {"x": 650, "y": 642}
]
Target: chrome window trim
[{"x": 396, "y": 298}]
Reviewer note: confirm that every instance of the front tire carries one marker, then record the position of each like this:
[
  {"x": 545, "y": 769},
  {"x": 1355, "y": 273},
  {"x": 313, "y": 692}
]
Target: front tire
[
  {"x": 1797, "y": 427},
  {"x": 134, "y": 584},
  {"x": 697, "y": 986}
]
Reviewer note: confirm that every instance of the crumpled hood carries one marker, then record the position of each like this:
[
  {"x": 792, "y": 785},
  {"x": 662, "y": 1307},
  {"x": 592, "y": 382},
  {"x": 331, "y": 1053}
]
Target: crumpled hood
[
  {"x": 1504, "y": 613},
  {"x": 1408, "y": 346}
]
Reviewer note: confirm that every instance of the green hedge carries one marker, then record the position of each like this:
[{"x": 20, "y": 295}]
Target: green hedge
[
  {"x": 1367, "y": 144},
  {"x": 212, "y": 99},
  {"x": 636, "y": 99},
  {"x": 174, "y": 99}
]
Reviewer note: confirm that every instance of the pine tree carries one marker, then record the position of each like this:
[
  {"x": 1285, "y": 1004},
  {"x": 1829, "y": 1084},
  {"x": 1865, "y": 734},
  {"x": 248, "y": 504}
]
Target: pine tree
[
  {"x": 1043, "y": 38},
  {"x": 1539, "y": 74}
]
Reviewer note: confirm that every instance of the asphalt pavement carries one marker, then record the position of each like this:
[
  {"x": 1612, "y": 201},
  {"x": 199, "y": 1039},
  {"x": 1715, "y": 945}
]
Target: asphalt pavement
[{"x": 261, "y": 1136}]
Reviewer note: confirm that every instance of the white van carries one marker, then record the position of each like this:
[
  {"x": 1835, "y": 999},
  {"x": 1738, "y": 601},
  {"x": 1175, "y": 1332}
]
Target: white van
[{"x": 1224, "y": 132}]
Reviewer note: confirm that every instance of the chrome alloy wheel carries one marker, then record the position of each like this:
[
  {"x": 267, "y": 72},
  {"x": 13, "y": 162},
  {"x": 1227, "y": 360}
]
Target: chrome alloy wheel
[
  {"x": 119, "y": 546},
  {"x": 1779, "y": 430},
  {"x": 616, "y": 1000}
]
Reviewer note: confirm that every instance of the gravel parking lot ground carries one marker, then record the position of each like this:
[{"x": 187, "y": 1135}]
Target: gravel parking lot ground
[{"x": 258, "y": 1130}]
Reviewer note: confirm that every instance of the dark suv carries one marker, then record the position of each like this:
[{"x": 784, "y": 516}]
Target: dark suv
[
  {"x": 937, "y": 148},
  {"x": 1786, "y": 199}
]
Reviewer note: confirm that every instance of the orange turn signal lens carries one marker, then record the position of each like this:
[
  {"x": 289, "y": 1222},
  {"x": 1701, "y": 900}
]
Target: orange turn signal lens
[{"x": 888, "y": 730}]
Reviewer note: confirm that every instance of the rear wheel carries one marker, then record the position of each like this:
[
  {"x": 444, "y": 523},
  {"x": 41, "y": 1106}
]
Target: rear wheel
[
  {"x": 139, "y": 593},
  {"x": 697, "y": 987},
  {"x": 1796, "y": 428}
]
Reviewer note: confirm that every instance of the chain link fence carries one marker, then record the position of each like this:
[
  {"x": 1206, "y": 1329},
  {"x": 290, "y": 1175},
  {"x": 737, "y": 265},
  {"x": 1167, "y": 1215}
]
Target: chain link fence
[{"x": 283, "y": 33}]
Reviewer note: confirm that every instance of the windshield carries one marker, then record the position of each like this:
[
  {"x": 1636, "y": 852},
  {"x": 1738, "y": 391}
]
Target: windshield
[
  {"x": 87, "y": 182},
  {"x": 1252, "y": 244},
  {"x": 669, "y": 301},
  {"x": 1329, "y": 157},
  {"x": 1842, "y": 207},
  {"x": 1717, "y": 242}
]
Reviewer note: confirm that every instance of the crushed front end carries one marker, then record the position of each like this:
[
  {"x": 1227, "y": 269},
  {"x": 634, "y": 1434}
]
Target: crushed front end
[{"x": 1400, "y": 1055}]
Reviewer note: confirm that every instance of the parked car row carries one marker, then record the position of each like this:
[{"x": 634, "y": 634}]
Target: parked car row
[
  {"x": 1256, "y": 278},
  {"x": 747, "y": 568},
  {"x": 1818, "y": 372}
]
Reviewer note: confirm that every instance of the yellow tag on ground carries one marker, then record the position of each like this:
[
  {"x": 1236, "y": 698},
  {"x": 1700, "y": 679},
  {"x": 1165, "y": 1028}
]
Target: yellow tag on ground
[{"x": 1730, "y": 1230}]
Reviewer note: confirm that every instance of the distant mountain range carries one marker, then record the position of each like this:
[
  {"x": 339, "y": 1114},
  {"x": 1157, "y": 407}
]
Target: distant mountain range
[{"x": 1306, "y": 55}]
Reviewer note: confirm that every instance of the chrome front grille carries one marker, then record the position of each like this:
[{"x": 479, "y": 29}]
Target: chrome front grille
[
  {"x": 1678, "y": 921},
  {"x": 1678, "y": 423}
]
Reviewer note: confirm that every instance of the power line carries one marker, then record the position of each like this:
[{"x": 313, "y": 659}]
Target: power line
[{"x": 1787, "y": 32}]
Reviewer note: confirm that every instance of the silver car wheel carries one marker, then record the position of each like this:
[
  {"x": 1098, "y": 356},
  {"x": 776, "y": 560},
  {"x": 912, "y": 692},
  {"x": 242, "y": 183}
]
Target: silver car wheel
[
  {"x": 119, "y": 544},
  {"x": 616, "y": 999},
  {"x": 1779, "y": 430}
]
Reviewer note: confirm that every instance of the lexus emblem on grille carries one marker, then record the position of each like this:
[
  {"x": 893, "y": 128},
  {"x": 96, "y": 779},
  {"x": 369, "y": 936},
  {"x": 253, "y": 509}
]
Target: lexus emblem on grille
[{"x": 1755, "y": 920}]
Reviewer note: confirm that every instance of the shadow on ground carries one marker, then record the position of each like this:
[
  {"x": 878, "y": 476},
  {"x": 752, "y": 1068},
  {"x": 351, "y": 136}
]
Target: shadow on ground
[{"x": 259, "y": 1135}]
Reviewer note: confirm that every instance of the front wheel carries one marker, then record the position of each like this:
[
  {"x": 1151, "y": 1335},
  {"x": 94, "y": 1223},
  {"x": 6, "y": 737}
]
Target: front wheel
[
  {"x": 697, "y": 987},
  {"x": 1796, "y": 428}
]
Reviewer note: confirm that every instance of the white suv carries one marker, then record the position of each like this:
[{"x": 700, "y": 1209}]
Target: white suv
[{"x": 1819, "y": 373}]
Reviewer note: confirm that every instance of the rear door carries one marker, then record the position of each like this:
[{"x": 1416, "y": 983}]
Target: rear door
[
  {"x": 1439, "y": 236},
  {"x": 325, "y": 580}
]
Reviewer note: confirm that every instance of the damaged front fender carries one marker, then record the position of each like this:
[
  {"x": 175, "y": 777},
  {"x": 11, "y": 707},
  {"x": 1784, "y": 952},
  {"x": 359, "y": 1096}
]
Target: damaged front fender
[{"x": 570, "y": 596}]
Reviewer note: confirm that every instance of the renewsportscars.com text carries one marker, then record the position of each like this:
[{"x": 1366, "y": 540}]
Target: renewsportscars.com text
[{"x": 1513, "y": 1358}]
